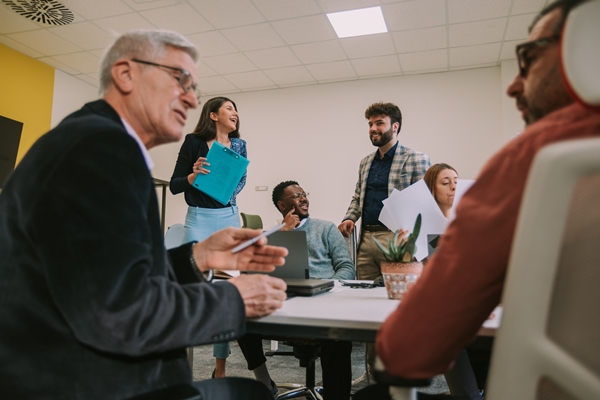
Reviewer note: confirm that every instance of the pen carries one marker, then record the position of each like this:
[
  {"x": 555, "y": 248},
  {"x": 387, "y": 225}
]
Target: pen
[{"x": 250, "y": 242}]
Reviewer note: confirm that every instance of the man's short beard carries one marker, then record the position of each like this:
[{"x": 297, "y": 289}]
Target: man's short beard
[{"x": 386, "y": 137}]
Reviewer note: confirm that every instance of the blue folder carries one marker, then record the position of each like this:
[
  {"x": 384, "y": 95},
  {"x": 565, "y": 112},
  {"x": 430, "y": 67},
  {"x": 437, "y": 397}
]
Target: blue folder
[{"x": 226, "y": 169}]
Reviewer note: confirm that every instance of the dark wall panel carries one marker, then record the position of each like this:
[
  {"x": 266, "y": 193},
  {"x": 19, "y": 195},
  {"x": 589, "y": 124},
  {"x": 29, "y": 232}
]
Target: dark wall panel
[{"x": 10, "y": 136}]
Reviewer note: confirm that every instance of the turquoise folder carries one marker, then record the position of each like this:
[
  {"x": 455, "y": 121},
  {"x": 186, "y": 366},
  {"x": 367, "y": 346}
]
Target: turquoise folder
[{"x": 226, "y": 169}]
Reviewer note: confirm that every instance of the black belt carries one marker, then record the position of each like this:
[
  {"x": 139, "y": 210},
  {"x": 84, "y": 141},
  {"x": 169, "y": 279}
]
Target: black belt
[{"x": 375, "y": 228}]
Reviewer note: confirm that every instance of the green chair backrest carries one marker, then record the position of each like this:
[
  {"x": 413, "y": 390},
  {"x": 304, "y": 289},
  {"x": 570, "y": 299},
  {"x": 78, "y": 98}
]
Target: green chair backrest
[{"x": 251, "y": 221}]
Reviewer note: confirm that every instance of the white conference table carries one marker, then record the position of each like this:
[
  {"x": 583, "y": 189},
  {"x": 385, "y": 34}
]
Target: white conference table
[{"x": 343, "y": 313}]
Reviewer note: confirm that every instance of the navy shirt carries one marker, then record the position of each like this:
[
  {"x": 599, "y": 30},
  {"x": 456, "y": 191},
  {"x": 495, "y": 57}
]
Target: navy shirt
[{"x": 377, "y": 187}]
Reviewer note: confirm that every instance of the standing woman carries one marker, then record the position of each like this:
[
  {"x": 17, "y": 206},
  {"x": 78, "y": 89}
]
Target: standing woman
[{"x": 219, "y": 121}]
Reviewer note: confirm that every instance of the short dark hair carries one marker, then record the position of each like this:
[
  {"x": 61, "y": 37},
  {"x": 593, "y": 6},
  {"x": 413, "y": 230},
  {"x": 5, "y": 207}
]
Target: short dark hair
[
  {"x": 388, "y": 109},
  {"x": 565, "y": 5},
  {"x": 206, "y": 128},
  {"x": 278, "y": 191},
  {"x": 432, "y": 173}
]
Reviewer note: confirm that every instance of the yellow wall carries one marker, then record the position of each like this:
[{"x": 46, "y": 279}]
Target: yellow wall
[{"x": 26, "y": 92}]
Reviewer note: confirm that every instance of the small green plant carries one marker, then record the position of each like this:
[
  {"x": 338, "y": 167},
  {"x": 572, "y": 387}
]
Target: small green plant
[{"x": 404, "y": 249}]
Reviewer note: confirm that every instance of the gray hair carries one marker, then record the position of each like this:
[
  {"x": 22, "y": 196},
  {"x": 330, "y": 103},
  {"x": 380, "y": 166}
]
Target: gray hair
[{"x": 143, "y": 44}]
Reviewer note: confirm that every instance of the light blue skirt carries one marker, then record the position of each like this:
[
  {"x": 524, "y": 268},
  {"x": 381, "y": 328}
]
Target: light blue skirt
[{"x": 200, "y": 223}]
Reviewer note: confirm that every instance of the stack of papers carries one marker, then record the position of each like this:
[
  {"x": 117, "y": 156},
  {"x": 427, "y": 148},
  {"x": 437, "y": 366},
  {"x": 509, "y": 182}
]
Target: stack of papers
[{"x": 400, "y": 211}]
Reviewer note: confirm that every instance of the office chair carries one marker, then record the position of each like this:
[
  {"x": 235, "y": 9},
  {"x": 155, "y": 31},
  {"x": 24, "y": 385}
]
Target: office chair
[
  {"x": 548, "y": 345},
  {"x": 174, "y": 238},
  {"x": 251, "y": 221}
]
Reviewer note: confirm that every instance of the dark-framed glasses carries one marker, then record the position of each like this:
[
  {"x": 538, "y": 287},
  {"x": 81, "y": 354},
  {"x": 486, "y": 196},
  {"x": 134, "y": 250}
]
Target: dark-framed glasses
[
  {"x": 523, "y": 50},
  {"x": 297, "y": 196},
  {"x": 185, "y": 78}
]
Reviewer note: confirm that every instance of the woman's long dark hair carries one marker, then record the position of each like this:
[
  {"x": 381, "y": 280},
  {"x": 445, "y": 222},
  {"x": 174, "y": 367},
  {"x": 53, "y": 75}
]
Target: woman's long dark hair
[{"x": 207, "y": 128}]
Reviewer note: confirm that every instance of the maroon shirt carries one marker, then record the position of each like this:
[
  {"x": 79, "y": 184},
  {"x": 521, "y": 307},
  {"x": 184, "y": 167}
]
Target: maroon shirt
[{"x": 463, "y": 281}]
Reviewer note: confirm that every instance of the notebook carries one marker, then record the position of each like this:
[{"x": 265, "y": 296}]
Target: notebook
[
  {"x": 296, "y": 262},
  {"x": 307, "y": 287},
  {"x": 226, "y": 169}
]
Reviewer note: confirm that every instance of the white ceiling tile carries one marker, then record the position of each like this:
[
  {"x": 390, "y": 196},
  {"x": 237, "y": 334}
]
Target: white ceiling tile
[
  {"x": 148, "y": 4},
  {"x": 181, "y": 18},
  {"x": 421, "y": 39},
  {"x": 203, "y": 70},
  {"x": 228, "y": 13},
  {"x": 312, "y": 53},
  {"x": 478, "y": 32},
  {"x": 414, "y": 14},
  {"x": 464, "y": 67},
  {"x": 91, "y": 9},
  {"x": 212, "y": 44},
  {"x": 345, "y": 5},
  {"x": 273, "y": 58},
  {"x": 230, "y": 63},
  {"x": 290, "y": 75},
  {"x": 5, "y": 40},
  {"x": 473, "y": 10},
  {"x": 315, "y": 28},
  {"x": 45, "y": 42},
  {"x": 251, "y": 80},
  {"x": 122, "y": 23},
  {"x": 283, "y": 9},
  {"x": 386, "y": 65},
  {"x": 88, "y": 79},
  {"x": 473, "y": 55},
  {"x": 85, "y": 35},
  {"x": 254, "y": 37},
  {"x": 427, "y": 60},
  {"x": 339, "y": 70},
  {"x": 527, "y": 6},
  {"x": 13, "y": 22},
  {"x": 215, "y": 84},
  {"x": 58, "y": 65},
  {"x": 508, "y": 50},
  {"x": 368, "y": 46},
  {"x": 82, "y": 62},
  {"x": 518, "y": 27},
  {"x": 94, "y": 75},
  {"x": 98, "y": 52}
]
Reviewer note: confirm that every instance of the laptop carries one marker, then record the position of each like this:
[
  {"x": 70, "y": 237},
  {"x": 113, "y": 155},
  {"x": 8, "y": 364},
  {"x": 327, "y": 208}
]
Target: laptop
[
  {"x": 295, "y": 270},
  {"x": 307, "y": 287},
  {"x": 296, "y": 262}
]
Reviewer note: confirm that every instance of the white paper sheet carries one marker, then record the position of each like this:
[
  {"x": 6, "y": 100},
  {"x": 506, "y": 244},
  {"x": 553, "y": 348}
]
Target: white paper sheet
[
  {"x": 400, "y": 211},
  {"x": 462, "y": 185}
]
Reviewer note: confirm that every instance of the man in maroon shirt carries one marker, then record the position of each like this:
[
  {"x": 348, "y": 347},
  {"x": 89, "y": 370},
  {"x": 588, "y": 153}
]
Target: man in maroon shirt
[{"x": 463, "y": 282}]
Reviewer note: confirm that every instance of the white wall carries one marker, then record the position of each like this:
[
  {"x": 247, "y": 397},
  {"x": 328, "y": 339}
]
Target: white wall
[
  {"x": 69, "y": 95},
  {"x": 317, "y": 135}
]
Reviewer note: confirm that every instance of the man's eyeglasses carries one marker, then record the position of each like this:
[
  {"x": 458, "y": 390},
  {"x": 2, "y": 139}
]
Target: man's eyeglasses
[
  {"x": 185, "y": 78},
  {"x": 523, "y": 50},
  {"x": 297, "y": 196}
]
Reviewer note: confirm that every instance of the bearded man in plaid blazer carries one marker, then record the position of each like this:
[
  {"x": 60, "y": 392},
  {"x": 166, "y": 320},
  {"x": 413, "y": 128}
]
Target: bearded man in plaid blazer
[{"x": 392, "y": 166}]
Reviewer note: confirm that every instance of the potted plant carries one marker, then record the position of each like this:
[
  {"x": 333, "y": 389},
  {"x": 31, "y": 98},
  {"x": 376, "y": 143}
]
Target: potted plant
[{"x": 401, "y": 270}]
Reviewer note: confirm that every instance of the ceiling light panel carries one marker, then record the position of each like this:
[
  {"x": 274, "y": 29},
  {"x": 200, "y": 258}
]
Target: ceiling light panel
[{"x": 366, "y": 21}]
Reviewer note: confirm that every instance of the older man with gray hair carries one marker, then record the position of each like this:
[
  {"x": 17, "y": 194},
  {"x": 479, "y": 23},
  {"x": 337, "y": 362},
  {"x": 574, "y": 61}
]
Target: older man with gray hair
[{"x": 92, "y": 305}]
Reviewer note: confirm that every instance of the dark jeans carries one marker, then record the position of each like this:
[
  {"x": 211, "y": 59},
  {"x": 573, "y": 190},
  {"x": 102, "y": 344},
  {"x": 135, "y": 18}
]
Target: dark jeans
[{"x": 336, "y": 363}]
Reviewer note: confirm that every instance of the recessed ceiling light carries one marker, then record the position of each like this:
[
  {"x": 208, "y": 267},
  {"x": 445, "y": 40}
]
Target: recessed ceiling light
[{"x": 365, "y": 21}]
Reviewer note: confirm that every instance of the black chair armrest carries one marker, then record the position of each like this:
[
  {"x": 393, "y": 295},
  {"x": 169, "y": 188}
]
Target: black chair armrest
[{"x": 386, "y": 379}]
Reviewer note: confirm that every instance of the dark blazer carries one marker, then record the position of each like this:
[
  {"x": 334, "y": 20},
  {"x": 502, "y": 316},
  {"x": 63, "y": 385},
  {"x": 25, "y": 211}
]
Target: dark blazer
[{"x": 90, "y": 307}]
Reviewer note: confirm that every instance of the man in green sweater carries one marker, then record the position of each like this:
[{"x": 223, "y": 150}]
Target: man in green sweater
[{"x": 328, "y": 258}]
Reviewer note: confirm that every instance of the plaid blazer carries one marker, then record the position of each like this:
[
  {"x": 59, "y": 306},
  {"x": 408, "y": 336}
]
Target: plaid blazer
[{"x": 408, "y": 166}]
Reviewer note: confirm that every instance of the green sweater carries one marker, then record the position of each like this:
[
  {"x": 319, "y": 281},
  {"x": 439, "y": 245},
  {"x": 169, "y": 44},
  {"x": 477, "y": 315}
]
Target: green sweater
[{"x": 328, "y": 255}]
